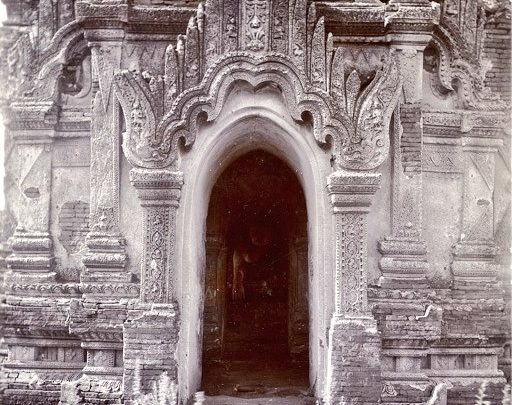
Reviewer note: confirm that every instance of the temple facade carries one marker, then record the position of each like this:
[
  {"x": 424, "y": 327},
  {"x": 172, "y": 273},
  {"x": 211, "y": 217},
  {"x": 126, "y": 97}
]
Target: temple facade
[{"x": 295, "y": 199}]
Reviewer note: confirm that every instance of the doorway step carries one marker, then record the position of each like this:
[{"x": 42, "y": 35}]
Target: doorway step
[{"x": 289, "y": 400}]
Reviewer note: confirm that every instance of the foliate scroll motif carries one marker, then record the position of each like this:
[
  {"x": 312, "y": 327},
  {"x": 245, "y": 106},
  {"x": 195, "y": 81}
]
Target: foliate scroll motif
[
  {"x": 318, "y": 55},
  {"x": 350, "y": 240},
  {"x": 230, "y": 25},
  {"x": 106, "y": 60},
  {"x": 156, "y": 255},
  {"x": 456, "y": 73},
  {"x": 212, "y": 31},
  {"x": 106, "y": 220},
  {"x": 298, "y": 38},
  {"x": 142, "y": 98},
  {"x": 256, "y": 26},
  {"x": 280, "y": 28},
  {"x": 20, "y": 67},
  {"x": 192, "y": 55}
]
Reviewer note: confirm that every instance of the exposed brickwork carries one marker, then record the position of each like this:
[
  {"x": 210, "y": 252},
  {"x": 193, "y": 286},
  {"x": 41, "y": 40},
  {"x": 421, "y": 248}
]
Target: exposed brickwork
[
  {"x": 74, "y": 225},
  {"x": 464, "y": 394},
  {"x": 150, "y": 341},
  {"x": 410, "y": 142},
  {"x": 497, "y": 49},
  {"x": 37, "y": 317},
  {"x": 355, "y": 362}
]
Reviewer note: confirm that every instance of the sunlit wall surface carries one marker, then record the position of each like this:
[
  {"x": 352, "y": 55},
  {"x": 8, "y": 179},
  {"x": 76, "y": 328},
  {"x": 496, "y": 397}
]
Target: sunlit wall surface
[{"x": 3, "y": 16}]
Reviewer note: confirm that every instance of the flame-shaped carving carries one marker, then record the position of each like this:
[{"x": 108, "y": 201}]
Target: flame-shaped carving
[{"x": 368, "y": 111}]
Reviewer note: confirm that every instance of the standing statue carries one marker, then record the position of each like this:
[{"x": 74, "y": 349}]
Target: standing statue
[{"x": 247, "y": 255}]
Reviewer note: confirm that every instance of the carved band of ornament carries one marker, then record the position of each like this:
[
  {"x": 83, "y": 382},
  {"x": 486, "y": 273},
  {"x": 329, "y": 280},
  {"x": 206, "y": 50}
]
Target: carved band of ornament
[
  {"x": 44, "y": 289},
  {"x": 396, "y": 246},
  {"x": 101, "y": 336},
  {"x": 156, "y": 179},
  {"x": 96, "y": 241},
  {"x": 474, "y": 268},
  {"x": 398, "y": 294},
  {"x": 104, "y": 260},
  {"x": 443, "y": 159},
  {"x": 352, "y": 191},
  {"x": 23, "y": 241},
  {"x": 484, "y": 249},
  {"x": 30, "y": 262},
  {"x": 118, "y": 289}
]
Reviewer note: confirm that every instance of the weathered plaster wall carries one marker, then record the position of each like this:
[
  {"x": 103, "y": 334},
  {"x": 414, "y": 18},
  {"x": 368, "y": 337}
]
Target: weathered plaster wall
[
  {"x": 442, "y": 207},
  {"x": 27, "y": 185},
  {"x": 70, "y": 183}
]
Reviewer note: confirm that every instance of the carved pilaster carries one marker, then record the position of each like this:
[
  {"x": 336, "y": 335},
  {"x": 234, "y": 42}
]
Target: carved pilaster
[
  {"x": 404, "y": 263},
  {"x": 352, "y": 327},
  {"x": 351, "y": 196},
  {"x": 30, "y": 129},
  {"x": 159, "y": 193},
  {"x": 106, "y": 257}
]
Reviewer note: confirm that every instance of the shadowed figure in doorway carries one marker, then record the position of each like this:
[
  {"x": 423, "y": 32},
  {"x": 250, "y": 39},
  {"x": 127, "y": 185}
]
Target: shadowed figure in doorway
[{"x": 253, "y": 263}]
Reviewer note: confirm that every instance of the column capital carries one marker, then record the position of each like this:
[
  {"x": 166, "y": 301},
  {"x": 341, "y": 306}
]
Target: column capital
[
  {"x": 410, "y": 22},
  {"x": 160, "y": 185},
  {"x": 352, "y": 191}
]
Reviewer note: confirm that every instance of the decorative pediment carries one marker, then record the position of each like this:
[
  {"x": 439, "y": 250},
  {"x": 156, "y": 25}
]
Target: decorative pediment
[
  {"x": 350, "y": 111},
  {"x": 457, "y": 46}
]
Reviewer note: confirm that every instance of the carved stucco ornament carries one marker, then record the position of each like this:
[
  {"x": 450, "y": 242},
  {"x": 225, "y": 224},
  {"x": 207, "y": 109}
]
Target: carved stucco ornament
[
  {"x": 458, "y": 41},
  {"x": 349, "y": 115},
  {"x": 34, "y": 77}
]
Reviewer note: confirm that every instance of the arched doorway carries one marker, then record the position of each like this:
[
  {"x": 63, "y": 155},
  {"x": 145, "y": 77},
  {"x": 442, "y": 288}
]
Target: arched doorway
[{"x": 255, "y": 319}]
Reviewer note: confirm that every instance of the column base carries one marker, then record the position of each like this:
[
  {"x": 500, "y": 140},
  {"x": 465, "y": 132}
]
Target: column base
[
  {"x": 106, "y": 276},
  {"x": 32, "y": 253},
  {"x": 403, "y": 263},
  {"x": 473, "y": 266},
  {"x": 354, "y": 371}
]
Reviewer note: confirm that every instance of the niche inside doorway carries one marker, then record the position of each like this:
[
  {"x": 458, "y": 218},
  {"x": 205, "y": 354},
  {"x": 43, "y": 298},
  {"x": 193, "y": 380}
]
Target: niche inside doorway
[{"x": 255, "y": 320}]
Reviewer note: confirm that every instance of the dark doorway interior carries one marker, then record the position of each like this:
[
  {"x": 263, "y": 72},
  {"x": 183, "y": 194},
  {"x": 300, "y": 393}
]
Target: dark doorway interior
[{"x": 255, "y": 330}]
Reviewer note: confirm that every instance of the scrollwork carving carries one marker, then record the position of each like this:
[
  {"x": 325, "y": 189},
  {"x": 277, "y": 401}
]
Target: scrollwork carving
[
  {"x": 157, "y": 235},
  {"x": 350, "y": 238},
  {"x": 458, "y": 43},
  {"x": 256, "y": 25}
]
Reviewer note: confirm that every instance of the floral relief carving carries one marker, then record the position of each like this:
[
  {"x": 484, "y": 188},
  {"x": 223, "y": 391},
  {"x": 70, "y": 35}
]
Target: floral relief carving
[
  {"x": 256, "y": 24},
  {"x": 155, "y": 281},
  {"x": 351, "y": 250}
]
